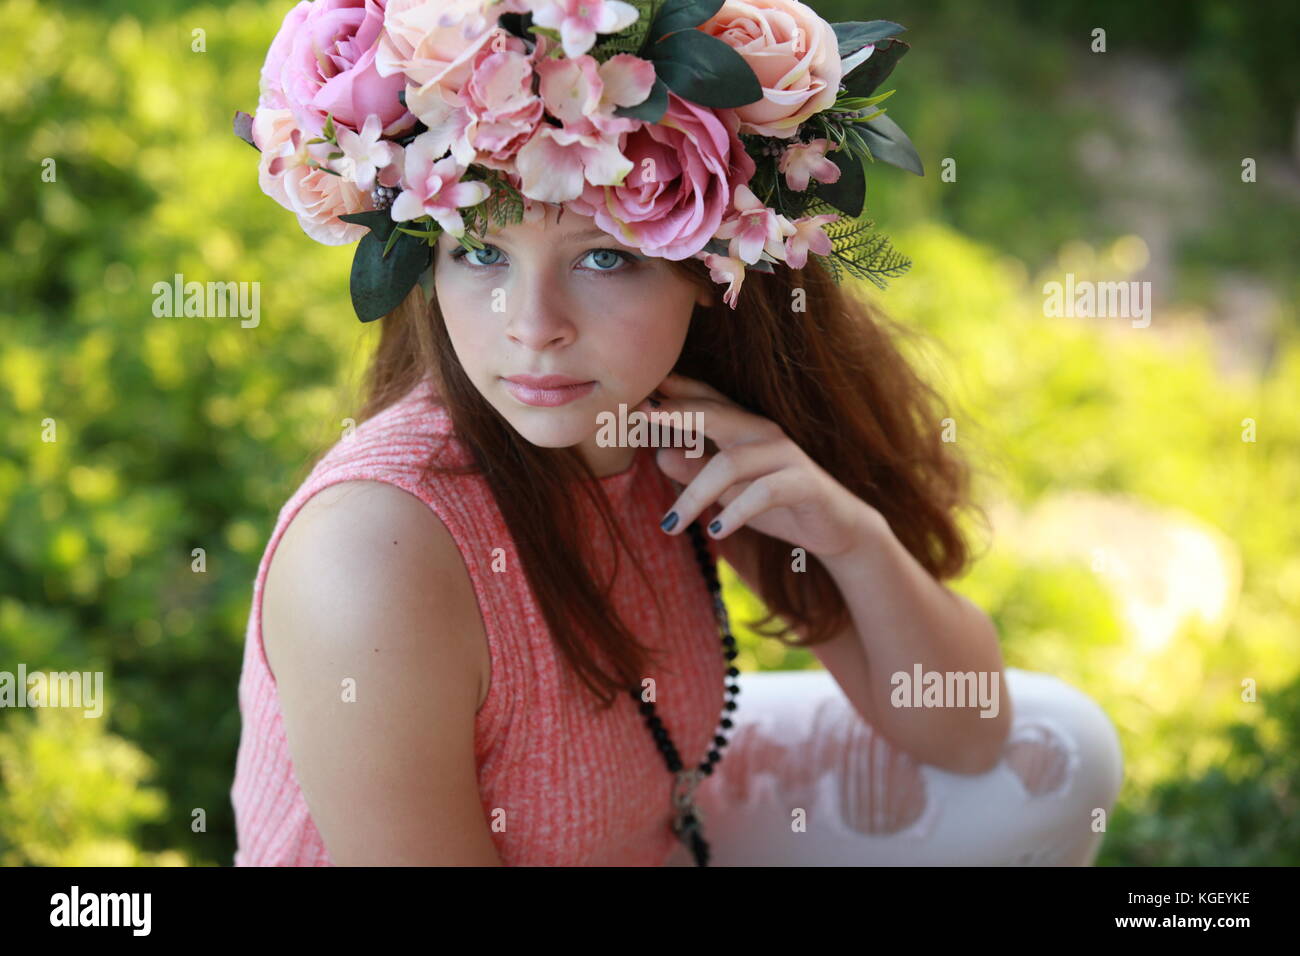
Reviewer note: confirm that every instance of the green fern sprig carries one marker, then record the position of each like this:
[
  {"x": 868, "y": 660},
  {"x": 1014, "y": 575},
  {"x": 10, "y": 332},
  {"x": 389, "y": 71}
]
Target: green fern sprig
[
  {"x": 858, "y": 250},
  {"x": 503, "y": 207}
]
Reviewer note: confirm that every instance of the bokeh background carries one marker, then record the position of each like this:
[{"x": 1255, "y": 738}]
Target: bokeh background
[{"x": 1142, "y": 482}]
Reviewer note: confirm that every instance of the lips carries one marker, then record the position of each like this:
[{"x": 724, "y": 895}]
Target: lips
[
  {"x": 547, "y": 391},
  {"x": 547, "y": 381}
]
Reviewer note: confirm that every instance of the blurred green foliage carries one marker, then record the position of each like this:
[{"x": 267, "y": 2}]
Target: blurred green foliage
[{"x": 172, "y": 435}]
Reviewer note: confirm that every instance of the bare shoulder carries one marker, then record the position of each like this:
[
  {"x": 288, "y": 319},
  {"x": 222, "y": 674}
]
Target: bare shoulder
[
  {"x": 373, "y": 633},
  {"x": 371, "y": 552}
]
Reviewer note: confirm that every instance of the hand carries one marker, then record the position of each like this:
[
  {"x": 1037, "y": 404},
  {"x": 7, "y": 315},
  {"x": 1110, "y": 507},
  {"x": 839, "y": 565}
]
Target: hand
[{"x": 759, "y": 476}]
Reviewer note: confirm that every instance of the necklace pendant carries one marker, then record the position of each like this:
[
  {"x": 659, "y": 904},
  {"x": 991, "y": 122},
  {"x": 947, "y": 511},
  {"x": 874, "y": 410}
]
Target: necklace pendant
[
  {"x": 687, "y": 821},
  {"x": 684, "y": 825}
]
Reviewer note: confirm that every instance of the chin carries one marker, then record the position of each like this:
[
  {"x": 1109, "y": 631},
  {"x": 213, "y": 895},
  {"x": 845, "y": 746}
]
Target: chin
[{"x": 558, "y": 431}]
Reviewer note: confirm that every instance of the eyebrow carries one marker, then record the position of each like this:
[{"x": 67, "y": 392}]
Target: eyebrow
[
  {"x": 586, "y": 234},
  {"x": 589, "y": 234}
]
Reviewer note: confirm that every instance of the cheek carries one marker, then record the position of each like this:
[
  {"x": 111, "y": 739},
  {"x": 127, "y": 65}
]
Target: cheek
[
  {"x": 470, "y": 338},
  {"x": 646, "y": 342}
]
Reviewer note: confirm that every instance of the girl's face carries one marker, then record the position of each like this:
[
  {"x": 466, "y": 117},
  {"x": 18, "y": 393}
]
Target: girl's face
[{"x": 558, "y": 297}]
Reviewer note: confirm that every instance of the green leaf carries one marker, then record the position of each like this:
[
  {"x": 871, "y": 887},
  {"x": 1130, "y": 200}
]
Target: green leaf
[
  {"x": 550, "y": 32},
  {"x": 889, "y": 143},
  {"x": 681, "y": 15},
  {"x": 848, "y": 194},
  {"x": 854, "y": 35},
  {"x": 426, "y": 234},
  {"x": 652, "y": 108},
  {"x": 864, "y": 80},
  {"x": 862, "y": 102},
  {"x": 392, "y": 238},
  {"x": 387, "y": 263},
  {"x": 704, "y": 70},
  {"x": 379, "y": 283},
  {"x": 376, "y": 220}
]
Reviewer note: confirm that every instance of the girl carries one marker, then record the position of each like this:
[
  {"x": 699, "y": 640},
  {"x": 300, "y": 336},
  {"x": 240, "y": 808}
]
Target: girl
[
  {"x": 445, "y": 626},
  {"x": 487, "y": 627}
]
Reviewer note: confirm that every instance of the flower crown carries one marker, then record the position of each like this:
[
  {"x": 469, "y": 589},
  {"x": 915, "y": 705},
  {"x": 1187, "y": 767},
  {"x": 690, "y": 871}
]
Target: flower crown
[{"x": 732, "y": 131}]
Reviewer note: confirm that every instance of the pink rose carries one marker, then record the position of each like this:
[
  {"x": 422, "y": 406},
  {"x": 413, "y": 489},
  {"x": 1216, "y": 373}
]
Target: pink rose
[
  {"x": 316, "y": 197},
  {"x": 685, "y": 168},
  {"x": 495, "y": 112},
  {"x": 323, "y": 61},
  {"x": 792, "y": 51},
  {"x": 434, "y": 41}
]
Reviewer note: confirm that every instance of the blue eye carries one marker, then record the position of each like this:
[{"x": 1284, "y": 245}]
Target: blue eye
[
  {"x": 460, "y": 252},
  {"x": 474, "y": 258},
  {"x": 616, "y": 255}
]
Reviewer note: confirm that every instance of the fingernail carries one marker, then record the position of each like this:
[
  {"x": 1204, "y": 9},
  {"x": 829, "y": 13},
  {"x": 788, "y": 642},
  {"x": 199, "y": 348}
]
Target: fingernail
[
  {"x": 653, "y": 401},
  {"x": 669, "y": 522},
  {"x": 715, "y": 526}
]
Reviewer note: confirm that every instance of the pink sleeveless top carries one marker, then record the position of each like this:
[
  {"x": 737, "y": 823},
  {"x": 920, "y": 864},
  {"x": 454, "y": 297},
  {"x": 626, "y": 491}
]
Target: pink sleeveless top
[{"x": 578, "y": 786}]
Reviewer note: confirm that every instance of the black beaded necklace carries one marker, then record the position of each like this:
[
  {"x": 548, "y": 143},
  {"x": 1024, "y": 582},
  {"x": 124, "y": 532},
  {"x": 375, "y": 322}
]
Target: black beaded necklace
[{"x": 686, "y": 820}]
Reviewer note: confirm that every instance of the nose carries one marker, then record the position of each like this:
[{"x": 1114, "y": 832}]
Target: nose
[{"x": 540, "y": 316}]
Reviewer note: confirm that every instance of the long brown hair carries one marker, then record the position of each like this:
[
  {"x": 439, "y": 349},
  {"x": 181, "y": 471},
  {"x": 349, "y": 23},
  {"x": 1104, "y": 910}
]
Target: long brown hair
[{"x": 829, "y": 373}]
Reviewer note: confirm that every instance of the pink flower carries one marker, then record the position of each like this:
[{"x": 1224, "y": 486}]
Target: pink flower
[
  {"x": 502, "y": 106},
  {"x": 808, "y": 237},
  {"x": 556, "y": 166},
  {"x": 435, "y": 41},
  {"x": 558, "y": 163},
  {"x": 583, "y": 94},
  {"x": 756, "y": 230},
  {"x": 802, "y": 161},
  {"x": 493, "y": 114},
  {"x": 726, "y": 269},
  {"x": 316, "y": 197},
  {"x": 793, "y": 52},
  {"x": 580, "y": 20},
  {"x": 432, "y": 187},
  {"x": 364, "y": 154},
  {"x": 685, "y": 168},
  {"x": 322, "y": 61}
]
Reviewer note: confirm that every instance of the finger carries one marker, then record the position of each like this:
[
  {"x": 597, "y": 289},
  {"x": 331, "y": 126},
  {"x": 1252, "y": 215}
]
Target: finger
[
  {"x": 773, "y": 490},
  {"x": 678, "y": 465},
  {"x": 740, "y": 463},
  {"x": 682, "y": 470},
  {"x": 724, "y": 422}
]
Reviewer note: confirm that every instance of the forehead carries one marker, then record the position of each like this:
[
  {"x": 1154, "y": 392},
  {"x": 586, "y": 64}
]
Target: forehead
[{"x": 557, "y": 225}]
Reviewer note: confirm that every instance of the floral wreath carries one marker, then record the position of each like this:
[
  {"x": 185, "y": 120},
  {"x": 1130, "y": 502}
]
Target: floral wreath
[{"x": 732, "y": 131}]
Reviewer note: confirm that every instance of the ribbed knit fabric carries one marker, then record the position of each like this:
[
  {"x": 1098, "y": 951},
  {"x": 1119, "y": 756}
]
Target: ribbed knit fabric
[{"x": 578, "y": 786}]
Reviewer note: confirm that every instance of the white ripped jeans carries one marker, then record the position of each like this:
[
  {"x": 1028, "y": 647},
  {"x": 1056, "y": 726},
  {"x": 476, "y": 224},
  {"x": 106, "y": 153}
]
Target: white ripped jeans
[{"x": 797, "y": 743}]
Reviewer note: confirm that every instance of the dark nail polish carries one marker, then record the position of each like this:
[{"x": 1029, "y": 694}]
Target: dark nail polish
[
  {"x": 715, "y": 526},
  {"x": 669, "y": 522},
  {"x": 653, "y": 401}
]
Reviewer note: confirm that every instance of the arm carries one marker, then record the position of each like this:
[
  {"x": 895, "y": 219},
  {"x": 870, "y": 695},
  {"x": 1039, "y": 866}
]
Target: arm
[
  {"x": 899, "y": 615},
  {"x": 368, "y": 584}
]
